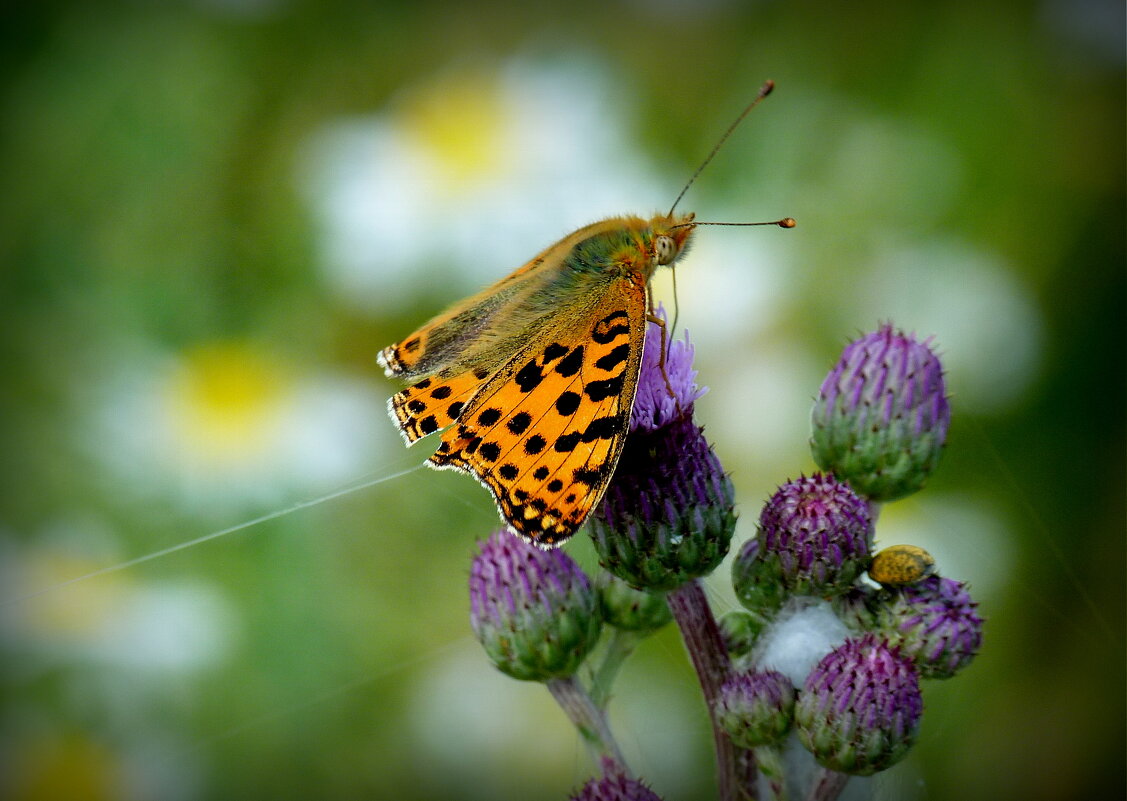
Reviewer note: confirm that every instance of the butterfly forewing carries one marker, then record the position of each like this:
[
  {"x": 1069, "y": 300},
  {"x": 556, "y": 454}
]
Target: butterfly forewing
[
  {"x": 532, "y": 380},
  {"x": 544, "y": 432},
  {"x": 455, "y": 338}
]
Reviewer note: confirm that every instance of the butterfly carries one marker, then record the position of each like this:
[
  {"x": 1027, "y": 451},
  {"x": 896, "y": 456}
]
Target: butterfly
[{"x": 531, "y": 381}]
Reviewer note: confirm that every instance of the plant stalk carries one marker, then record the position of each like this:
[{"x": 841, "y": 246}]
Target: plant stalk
[{"x": 735, "y": 767}]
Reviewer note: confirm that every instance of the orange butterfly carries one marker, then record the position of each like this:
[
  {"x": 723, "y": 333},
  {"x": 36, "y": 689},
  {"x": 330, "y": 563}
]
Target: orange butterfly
[{"x": 532, "y": 380}]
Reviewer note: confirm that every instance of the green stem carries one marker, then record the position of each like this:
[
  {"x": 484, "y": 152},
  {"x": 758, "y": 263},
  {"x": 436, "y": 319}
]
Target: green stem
[
  {"x": 620, "y": 645},
  {"x": 771, "y": 765},
  {"x": 735, "y": 767},
  {"x": 590, "y": 722}
]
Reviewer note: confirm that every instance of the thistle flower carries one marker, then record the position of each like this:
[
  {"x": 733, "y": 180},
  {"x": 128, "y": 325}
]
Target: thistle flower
[
  {"x": 935, "y": 623},
  {"x": 859, "y": 710},
  {"x": 615, "y": 787},
  {"x": 881, "y": 417},
  {"x": 533, "y": 611},
  {"x": 629, "y": 609},
  {"x": 756, "y": 709},
  {"x": 818, "y": 532},
  {"x": 669, "y": 512}
]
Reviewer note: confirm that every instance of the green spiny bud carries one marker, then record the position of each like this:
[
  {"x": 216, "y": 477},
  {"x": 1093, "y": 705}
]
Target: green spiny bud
[
  {"x": 859, "y": 709},
  {"x": 629, "y": 609},
  {"x": 534, "y": 611},
  {"x": 881, "y": 417},
  {"x": 756, "y": 709}
]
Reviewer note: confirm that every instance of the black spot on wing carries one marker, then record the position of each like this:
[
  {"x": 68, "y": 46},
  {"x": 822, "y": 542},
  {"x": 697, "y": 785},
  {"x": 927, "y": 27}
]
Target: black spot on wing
[
  {"x": 587, "y": 475},
  {"x": 606, "y": 388},
  {"x": 613, "y": 325},
  {"x": 519, "y": 422},
  {"x": 553, "y": 352},
  {"x": 565, "y": 443},
  {"x": 428, "y": 425},
  {"x": 490, "y": 451},
  {"x": 567, "y": 403},
  {"x": 602, "y": 428},
  {"x": 443, "y": 392},
  {"x": 489, "y": 417},
  {"x": 611, "y": 360},
  {"x": 570, "y": 364},
  {"x": 509, "y": 472},
  {"x": 540, "y": 473},
  {"x": 455, "y": 410},
  {"x": 529, "y": 377},
  {"x": 534, "y": 444}
]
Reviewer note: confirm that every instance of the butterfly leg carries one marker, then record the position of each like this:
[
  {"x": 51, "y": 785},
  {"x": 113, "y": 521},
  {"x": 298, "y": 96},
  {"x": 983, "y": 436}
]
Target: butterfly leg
[{"x": 653, "y": 318}]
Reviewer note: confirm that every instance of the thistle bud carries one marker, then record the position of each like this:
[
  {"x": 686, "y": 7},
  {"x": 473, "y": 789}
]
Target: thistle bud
[
  {"x": 758, "y": 582},
  {"x": 615, "y": 787},
  {"x": 739, "y": 630},
  {"x": 819, "y": 533},
  {"x": 858, "y": 608},
  {"x": 669, "y": 512},
  {"x": 629, "y": 609},
  {"x": 881, "y": 417},
  {"x": 756, "y": 709},
  {"x": 935, "y": 623},
  {"x": 533, "y": 611},
  {"x": 859, "y": 710}
]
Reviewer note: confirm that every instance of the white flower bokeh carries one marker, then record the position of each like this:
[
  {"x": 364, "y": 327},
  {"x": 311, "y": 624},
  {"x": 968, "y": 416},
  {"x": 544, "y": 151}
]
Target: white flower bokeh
[
  {"x": 223, "y": 428},
  {"x": 463, "y": 178}
]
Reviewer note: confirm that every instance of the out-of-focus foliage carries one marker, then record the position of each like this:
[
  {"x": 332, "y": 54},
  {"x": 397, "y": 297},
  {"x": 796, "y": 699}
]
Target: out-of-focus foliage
[{"x": 213, "y": 213}]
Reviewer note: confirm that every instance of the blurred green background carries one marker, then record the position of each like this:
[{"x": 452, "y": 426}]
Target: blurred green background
[{"x": 216, "y": 212}]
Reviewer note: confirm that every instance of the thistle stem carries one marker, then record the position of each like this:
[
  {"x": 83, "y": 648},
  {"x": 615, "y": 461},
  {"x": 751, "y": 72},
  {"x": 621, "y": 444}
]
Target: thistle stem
[
  {"x": 771, "y": 765},
  {"x": 735, "y": 767},
  {"x": 591, "y": 723},
  {"x": 619, "y": 647},
  {"x": 827, "y": 785}
]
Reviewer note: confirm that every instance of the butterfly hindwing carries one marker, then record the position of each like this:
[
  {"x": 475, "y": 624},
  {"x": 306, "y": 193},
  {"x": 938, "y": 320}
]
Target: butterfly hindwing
[
  {"x": 433, "y": 403},
  {"x": 545, "y": 431}
]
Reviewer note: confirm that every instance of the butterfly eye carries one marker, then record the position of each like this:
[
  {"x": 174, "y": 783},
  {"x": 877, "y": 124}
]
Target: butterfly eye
[{"x": 664, "y": 249}]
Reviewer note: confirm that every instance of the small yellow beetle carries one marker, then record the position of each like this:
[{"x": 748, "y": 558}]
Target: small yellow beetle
[{"x": 901, "y": 564}]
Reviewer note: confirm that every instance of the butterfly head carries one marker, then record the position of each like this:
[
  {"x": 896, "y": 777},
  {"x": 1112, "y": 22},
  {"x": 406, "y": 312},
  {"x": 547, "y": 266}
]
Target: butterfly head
[{"x": 671, "y": 237}]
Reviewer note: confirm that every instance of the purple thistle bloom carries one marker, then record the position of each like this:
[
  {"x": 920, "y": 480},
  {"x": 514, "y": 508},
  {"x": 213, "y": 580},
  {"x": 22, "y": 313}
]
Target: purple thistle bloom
[
  {"x": 818, "y": 532},
  {"x": 669, "y": 512},
  {"x": 936, "y": 623},
  {"x": 534, "y": 611},
  {"x": 881, "y": 418},
  {"x": 654, "y": 407},
  {"x": 859, "y": 710},
  {"x": 756, "y": 708},
  {"x": 615, "y": 787}
]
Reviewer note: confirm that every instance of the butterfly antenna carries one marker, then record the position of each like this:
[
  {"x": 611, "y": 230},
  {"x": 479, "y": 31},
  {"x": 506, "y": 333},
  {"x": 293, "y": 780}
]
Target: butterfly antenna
[
  {"x": 763, "y": 92},
  {"x": 786, "y": 222}
]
